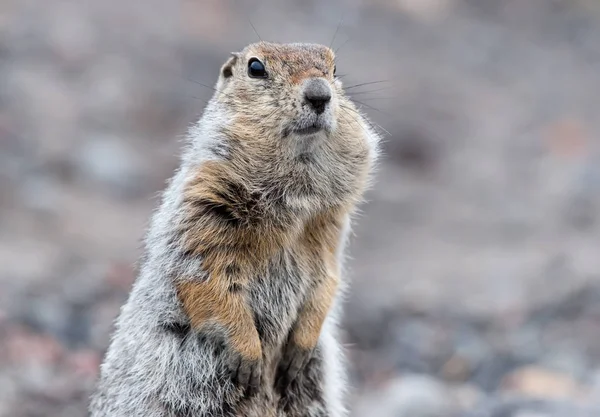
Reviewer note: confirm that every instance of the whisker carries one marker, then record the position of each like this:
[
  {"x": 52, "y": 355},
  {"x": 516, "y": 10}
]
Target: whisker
[
  {"x": 205, "y": 101},
  {"x": 369, "y": 83},
  {"x": 374, "y": 98},
  {"x": 336, "y": 31},
  {"x": 347, "y": 112},
  {"x": 372, "y": 108},
  {"x": 371, "y": 124},
  {"x": 253, "y": 28},
  {"x": 370, "y": 91},
  {"x": 368, "y": 121},
  {"x": 382, "y": 128},
  {"x": 208, "y": 86},
  {"x": 241, "y": 6},
  {"x": 357, "y": 112},
  {"x": 271, "y": 115},
  {"x": 163, "y": 70},
  {"x": 341, "y": 46}
]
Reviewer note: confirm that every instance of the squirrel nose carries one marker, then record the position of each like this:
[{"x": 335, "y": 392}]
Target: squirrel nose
[{"x": 317, "y": 94}]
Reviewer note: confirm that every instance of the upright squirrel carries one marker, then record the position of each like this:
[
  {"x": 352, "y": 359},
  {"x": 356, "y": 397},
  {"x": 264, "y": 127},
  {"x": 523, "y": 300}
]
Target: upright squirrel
[{"x": 234, "y": 310}]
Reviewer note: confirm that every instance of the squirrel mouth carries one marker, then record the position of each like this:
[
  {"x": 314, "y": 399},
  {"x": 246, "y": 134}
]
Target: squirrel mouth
[{"x": 309, "y": 130}]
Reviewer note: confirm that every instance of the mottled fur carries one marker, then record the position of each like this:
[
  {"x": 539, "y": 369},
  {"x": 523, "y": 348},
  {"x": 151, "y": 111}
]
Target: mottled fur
[{"x": 234, "y": 311}]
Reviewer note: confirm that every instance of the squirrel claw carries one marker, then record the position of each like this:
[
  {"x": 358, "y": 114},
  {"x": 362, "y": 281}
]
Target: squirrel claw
[
  {"x": 292, "y": 363},
  {"x": 246, "y": 374}
]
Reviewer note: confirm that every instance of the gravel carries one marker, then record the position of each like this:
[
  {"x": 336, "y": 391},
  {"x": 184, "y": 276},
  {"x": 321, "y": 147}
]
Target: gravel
[{"x": 475, "y": 272}]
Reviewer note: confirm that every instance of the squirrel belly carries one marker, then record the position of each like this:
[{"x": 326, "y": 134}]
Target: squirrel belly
[{"x": 234, "y": 311}]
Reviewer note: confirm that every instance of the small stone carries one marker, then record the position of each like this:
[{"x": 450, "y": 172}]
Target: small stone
[
  {"x": 533, "y": 381},
  {"x": 84, "y": 362},
  {"x": 567, "y": 361},
  {"x": 25, "y": 347},
  {"x": 467, "y": 396},
  {"x": 456, "y": 368},
  {"x": 110, "y": 161},
  {"x": 409, "y": 396},
  {"x": 567, "y": 138},
  {"x": 526, "y": 413},
  {"x": 120, "y": 276},
  {"x": 41, "y": 194},
  {"x": 594, "y": 381}
]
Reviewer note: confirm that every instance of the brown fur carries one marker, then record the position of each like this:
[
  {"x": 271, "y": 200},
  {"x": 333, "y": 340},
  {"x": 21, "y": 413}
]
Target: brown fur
[
  {"x": 236, "y": 226},
  {"x": 243, "y": 248},
  {"x": 237, "y": 210},
  {"x": 295, "y": 61},
  {"x": 320, "y": 244},
  {"x": 238, "y": 237},
  {"x": 213, "y": 302},
  {"x": 243, "y": 257}
]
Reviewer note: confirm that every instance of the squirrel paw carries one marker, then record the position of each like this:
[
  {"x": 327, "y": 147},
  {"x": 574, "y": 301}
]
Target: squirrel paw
[
  {"x": 293, "y": 362},
  {"x": 245, "y": 373}
]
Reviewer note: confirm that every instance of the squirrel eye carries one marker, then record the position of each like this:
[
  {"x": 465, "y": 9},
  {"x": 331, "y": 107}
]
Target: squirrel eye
[
  {"x": 256, "y": 69},
  {"x": 334, "y": 69}
]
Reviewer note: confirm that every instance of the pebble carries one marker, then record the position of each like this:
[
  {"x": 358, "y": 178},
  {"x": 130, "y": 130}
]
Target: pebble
[
  {"x": 409, "y": 396},
  {"x": 537, "y": 382},
  {"x": 109, "y": 161},
  {"x": 472, "y": 238}
]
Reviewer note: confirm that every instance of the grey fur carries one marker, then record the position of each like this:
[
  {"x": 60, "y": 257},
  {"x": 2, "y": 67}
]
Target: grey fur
[{"x": 157, "y": 366}]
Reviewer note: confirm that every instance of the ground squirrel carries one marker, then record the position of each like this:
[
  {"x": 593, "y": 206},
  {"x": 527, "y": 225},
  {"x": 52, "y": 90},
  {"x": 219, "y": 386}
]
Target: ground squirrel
[{"x": 234, "y": 310}]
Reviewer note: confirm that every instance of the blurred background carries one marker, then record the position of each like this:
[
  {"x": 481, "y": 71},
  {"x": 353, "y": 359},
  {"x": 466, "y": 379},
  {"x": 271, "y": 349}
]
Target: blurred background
[{"x": 475, "y": 263}]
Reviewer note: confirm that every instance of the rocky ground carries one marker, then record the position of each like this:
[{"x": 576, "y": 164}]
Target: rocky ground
[{"x": 475, "y": 268}]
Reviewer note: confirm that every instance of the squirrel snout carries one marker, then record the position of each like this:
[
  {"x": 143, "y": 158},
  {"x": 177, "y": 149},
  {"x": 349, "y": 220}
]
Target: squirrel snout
[{"x": 317, "y": 94}]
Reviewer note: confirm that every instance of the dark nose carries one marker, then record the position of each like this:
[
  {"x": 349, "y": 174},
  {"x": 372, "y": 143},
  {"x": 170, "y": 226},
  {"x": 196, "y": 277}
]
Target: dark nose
[{"x": 317, "y": 94}]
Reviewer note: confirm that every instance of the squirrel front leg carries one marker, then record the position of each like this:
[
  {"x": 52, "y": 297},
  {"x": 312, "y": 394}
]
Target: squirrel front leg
[
  {"x": 320, "y": 243},
  {"x": 221, "y": 302},
  {"x": 220, "y": 226},
  {"x": 304, "y": 336}
]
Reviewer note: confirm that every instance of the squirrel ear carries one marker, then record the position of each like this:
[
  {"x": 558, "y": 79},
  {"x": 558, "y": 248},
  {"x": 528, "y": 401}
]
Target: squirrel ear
[{"x": 227, "y": 68}]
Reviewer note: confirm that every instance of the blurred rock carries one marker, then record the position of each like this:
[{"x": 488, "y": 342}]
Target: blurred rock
[
  {"x": 456, "y": 368},
  {"x": 516, "y": 407},
  {"x": 109, "y": 161},
  {"x": 467, "y": 396},
  {"x": 538, "y": 382},
  {"x": 567, "y": 361},
  {"x": 85, "y": 363},
  {"x": 408, "y": 396},
  {"x": 41, "y": 195},
  {"x": 474, "y": 265}
]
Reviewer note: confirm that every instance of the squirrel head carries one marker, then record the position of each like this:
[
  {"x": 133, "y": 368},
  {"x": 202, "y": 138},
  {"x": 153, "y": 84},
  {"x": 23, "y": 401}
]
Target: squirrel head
[{"x": 289, "y": 90}]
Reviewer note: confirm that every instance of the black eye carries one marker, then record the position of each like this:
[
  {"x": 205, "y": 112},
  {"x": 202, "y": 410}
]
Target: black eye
[
  {"x": 334, "y": 69},
  {"x": 256, "y": 69}
]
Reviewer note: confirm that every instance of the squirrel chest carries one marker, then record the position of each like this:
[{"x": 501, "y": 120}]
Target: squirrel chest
[{"x": 278, "y": 296}]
